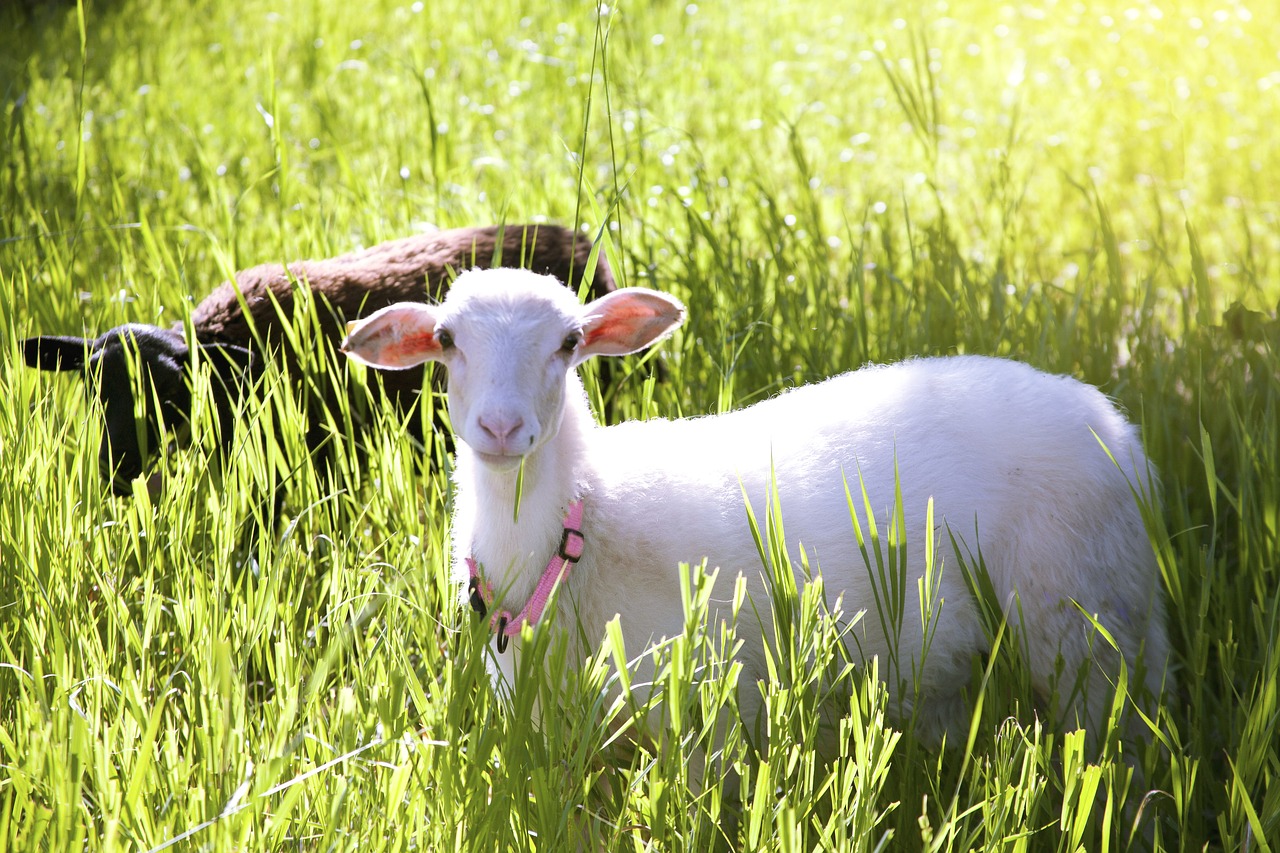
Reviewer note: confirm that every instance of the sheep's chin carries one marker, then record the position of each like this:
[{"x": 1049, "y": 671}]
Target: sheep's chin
[{"x": 498, "y": 463}]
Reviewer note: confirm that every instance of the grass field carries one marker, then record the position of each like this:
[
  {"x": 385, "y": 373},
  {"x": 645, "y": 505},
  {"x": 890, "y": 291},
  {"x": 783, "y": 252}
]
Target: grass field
[{"x": 1091, "y": 188}]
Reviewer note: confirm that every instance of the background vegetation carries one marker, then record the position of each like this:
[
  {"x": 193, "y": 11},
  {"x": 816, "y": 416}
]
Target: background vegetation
[{"x": 1089, "y": 187}]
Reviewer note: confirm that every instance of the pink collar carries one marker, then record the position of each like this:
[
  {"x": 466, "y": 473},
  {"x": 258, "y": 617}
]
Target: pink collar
[{"x": 567, "y": 555}]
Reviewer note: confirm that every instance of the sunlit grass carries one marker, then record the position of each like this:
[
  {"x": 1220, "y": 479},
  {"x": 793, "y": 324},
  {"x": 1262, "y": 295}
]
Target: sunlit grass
[{"x": 1089, "y": 190}]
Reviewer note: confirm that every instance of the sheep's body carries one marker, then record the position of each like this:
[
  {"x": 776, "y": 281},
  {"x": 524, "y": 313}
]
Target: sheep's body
[
  {"x": 660, "y": 493},
  {"x": 241, "y": 316},
  {"x": 1013, "y": 460}
]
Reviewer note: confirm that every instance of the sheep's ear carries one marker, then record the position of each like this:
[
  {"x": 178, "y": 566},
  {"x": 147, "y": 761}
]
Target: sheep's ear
[
  {"x": 397, "y": 337},
  {"x": 629, "y": 320},
  {"x": 54, "y": 352}
]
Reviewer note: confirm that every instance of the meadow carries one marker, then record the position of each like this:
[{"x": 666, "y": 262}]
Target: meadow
[{"x": 1092, "y": 188}]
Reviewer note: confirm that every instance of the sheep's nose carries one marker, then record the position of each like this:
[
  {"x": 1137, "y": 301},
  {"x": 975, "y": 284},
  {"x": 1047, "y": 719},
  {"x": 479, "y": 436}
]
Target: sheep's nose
[{"x": 501, "y": 428}]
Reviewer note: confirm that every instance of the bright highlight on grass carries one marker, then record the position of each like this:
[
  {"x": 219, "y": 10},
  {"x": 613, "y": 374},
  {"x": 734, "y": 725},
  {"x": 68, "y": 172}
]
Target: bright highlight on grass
[{"x": 1091, "y": 191}]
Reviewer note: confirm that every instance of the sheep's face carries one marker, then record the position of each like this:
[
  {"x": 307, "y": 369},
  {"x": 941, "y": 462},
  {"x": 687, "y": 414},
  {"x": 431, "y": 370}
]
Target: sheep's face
[
  {"x": 508, "y": 361},
  {"x": 509, "y": 339},
  {"x": 141, "y": 376},
  {"x": 133, "y": 411}
]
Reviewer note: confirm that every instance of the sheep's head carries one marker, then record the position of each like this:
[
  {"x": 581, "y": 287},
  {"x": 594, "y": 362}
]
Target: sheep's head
[
  {"x": 509, "y": 338},
  {"x": 149, "y": 360}
]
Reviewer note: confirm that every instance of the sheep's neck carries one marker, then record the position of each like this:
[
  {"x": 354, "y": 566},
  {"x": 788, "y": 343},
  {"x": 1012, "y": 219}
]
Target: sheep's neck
[
  {"x": 516, "y": 518},
  {"x": 504, "y": 624}
]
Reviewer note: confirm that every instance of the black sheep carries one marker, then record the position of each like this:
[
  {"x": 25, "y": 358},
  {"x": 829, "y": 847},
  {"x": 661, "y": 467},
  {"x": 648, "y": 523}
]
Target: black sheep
[{"x": 344, "y": 288}]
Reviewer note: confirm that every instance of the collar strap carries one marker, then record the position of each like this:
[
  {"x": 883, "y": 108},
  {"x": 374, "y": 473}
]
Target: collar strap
[{"x": 480, "y": 592}]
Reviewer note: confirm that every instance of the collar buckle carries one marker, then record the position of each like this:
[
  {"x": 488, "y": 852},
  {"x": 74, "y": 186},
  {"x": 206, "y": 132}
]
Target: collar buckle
[{"x": 572, "y": 543}]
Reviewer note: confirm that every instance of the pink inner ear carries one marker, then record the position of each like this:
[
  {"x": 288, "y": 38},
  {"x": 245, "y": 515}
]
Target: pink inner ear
[
  {"x": 406, "y": 348},
  {"x": 628, "y": 324},
  {"x": 411, "y": 346},
  {"x": 603, "y": 330}
]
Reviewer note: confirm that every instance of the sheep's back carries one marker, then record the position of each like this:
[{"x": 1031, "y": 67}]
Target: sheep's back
[
  {"x": 411, "y": 269},
  {"x": 979, "y": 435}
]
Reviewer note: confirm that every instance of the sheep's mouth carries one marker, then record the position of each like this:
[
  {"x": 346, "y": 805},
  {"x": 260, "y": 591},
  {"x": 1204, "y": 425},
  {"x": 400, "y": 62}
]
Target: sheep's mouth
[
  {"x": 500, "y": 461},
  {"x": 121, "y": 477}
]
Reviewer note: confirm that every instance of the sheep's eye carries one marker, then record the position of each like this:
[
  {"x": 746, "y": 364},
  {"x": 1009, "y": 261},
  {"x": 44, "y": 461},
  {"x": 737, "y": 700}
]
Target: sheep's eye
[
  {"x": 570, "y": 342},
  {"x": 444, "y": 339}
]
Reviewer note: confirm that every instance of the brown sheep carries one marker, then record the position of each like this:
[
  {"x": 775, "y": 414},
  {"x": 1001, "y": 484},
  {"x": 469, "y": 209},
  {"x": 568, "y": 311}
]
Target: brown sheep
[{"x": 344, "y": 288}]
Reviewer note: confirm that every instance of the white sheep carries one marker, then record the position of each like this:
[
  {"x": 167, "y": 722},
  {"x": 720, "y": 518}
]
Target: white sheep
[{"x": 1034, "y": 472}]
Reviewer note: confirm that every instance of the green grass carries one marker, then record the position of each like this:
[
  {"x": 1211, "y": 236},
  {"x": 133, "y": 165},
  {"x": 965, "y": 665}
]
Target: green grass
[{"x": 1089, "y": 190}]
